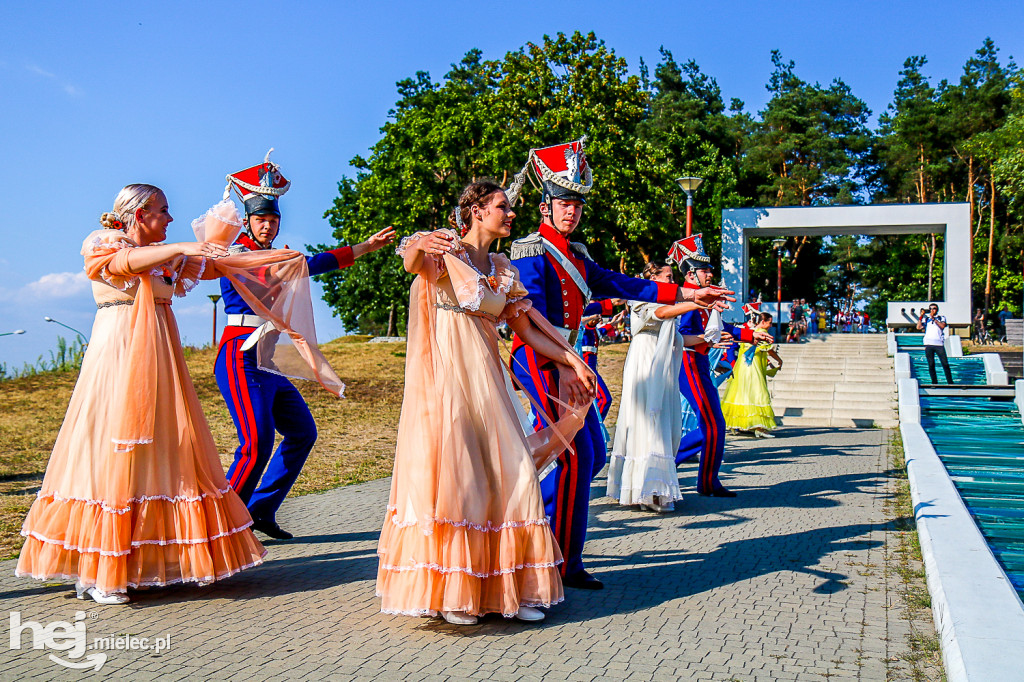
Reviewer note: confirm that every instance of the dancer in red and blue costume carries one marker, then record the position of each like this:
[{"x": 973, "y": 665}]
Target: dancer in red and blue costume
[
  {"x": 695, "y": 379},
  {"x": 262, "y": 402},
  {"x": 561, "y": 278}
]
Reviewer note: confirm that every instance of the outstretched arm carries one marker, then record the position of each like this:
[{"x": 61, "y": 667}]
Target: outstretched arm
[
  {"x": 145, "y": 258},
  {"x": 377, "y": 241},
  {"x": 666, "y": 312}
]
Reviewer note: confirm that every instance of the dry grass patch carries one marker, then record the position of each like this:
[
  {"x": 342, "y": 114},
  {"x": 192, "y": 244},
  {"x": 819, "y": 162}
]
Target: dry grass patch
[
  {"x": 356, "y": 440},
  {"x": 923, "y": 656}
]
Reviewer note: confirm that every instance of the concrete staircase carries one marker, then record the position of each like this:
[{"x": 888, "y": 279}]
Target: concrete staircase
[{"x": 841, "y": 380}]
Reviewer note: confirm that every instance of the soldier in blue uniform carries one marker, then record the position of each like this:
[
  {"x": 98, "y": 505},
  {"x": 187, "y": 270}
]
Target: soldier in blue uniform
[
  {"x": 262, "y": 402},
  {"x": 561, "y": 278},
  {"x": 695, "y": 378}
]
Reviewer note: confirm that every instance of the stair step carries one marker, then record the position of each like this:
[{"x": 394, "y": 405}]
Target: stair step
[
  {"x": 805, "y": 396},
  {"x": 879, "y": 387},
  {"x": 835, "y": 380},
  {"x": 801, "y": 411}
]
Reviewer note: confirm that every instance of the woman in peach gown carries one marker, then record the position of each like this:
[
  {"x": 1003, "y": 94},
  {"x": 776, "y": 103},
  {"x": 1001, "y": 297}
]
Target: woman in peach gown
[
  {"x": 465, "y": 532},
  {"x": 134, "y": 493}
]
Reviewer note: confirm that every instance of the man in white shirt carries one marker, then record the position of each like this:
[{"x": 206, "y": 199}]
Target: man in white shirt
[{"x": 934, "y": 327}]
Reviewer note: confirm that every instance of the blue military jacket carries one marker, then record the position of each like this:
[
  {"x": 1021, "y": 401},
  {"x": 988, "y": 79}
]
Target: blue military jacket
[{"x": 554, "y": 293}]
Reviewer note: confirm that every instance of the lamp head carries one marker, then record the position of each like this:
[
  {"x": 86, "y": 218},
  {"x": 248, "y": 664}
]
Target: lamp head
[
  {"x": 48, "y": 319},
  {"x": 778, "y": 243},
  {"x": 19, "y": 331},
  {"x": 689, "y": 184}
]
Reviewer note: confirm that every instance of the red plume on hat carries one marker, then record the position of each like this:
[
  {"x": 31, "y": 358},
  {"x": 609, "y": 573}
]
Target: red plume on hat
[
  {"x": 265, "y": 179},
  {"x": 688, "y": 249},
  {"x": 560, "y": 166}
]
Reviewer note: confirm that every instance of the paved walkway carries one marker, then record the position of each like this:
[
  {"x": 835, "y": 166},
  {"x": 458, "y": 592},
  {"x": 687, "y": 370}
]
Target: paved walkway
[{"x": 787, "y": 581}]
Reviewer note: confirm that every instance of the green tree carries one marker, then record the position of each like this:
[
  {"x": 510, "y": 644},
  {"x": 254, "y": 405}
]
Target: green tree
[
  {"x": 912, "y": 150},
  {"x": 811, "y": 143},
  {"x": 810, "y": 147},
  {"x": 979, "y": 105},
  {"x": 438, "y": 139},
  {"x": 688, "y": 133},
  {"x": 481, "y": 121}
]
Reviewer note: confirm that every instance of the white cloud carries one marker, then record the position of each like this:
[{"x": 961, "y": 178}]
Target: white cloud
[
  {"x": 58, "y": 285},
  {"x": 32, "y": 68},
  {"x": 71, "y": 90}
]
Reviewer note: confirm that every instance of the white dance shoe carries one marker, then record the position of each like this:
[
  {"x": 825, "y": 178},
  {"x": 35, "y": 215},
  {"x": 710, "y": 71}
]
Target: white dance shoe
[
  {"x": 459, "y": 618},
  {"x": 83, "y": 592},
  {"x": 528, "y": 614},
  {"x": 762, "y": 433}
]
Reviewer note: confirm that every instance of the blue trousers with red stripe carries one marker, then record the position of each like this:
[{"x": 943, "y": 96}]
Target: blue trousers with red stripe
[
  {"x": 604, "y": 396},
  {"x": 262, "y": 403},
  {"x": 697, "y": 386},
  {"x": 566, "y": 490}
]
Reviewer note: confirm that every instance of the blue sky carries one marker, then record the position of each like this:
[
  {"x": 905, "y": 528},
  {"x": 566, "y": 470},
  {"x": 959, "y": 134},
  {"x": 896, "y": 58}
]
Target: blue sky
[{"x": 94, "y": 96}]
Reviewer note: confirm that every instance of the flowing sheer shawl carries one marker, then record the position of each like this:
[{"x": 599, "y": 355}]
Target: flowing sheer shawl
[
  {"x": 275, "y": 283},
  {"x": 425, "y": 362}
]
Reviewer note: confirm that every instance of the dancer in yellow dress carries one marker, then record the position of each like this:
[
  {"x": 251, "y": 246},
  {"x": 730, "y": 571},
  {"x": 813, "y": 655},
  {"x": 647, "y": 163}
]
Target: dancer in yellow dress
[{"x": 747, "y": 405}]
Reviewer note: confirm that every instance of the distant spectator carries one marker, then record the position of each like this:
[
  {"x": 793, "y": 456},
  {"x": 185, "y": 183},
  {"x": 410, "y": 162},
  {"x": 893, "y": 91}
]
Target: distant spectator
[
  {"x": 867, "y": 323},
  {"x": 934, "y": 327},
  {"x": 796, "y": 322},
  {"x": 978, "y": 326},
  {"x": 812, "y": 320},
  {"x": 1004, "y": 315}
]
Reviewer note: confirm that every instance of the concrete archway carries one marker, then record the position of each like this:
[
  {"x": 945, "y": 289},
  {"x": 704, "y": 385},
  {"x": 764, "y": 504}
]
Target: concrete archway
[{"x": 951, "y": 220}]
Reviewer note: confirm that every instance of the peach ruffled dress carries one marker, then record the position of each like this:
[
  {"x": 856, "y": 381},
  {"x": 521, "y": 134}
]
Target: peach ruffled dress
[
  {"x": 465, "y": 528},
  {"x": 117, "y": 512}
]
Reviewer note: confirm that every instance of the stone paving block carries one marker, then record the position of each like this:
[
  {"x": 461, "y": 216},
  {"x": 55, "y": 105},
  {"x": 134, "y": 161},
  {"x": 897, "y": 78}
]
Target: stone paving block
[{"x": 776, "y": 584}]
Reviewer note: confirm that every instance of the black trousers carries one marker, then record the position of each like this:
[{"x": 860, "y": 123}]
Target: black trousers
[{"x": 930, "y": 352}]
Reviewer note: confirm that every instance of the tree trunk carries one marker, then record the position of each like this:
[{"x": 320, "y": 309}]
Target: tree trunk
[
  {"x": 391, "y": 321},
  {"x": 801, "y": 243},
  {"x": 970, "y": 202},
  {"x": 931, "y": 266},
  {"x": 991, "y": 239},
  {"x": 920, "y": 176}
]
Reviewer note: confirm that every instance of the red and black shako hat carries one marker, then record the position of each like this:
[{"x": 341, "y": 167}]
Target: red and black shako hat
[
  {"x": 562, "y": 169},
  {"x": 752, "y": 308},
  {"x": 259, "y": 187},
  {"x": 689, "y": 251}
]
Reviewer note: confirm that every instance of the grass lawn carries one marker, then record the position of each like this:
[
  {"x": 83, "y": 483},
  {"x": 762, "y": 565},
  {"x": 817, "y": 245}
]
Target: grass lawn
[{"x": 356, "y": 440}]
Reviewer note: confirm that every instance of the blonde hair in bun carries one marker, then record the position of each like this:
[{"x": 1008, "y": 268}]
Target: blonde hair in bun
[{"x": 130, "y": 199}]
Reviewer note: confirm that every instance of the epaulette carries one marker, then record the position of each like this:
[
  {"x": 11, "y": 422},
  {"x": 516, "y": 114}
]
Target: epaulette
[
  {"x": 580, "y": 250},
  {"x": 528, "y": 246}
]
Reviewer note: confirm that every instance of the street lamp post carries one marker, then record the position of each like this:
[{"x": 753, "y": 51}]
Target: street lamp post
[
  {"x": 84, "y": 338},
  {"x": 778, "y": 244},
  {"x": 214, "y": 298},
  {"x": 16, "y": 331},
  {"x": 688, "y": 185}
]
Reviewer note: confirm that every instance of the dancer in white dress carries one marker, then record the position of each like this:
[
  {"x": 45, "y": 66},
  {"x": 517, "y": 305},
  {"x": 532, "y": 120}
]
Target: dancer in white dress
[{"x": 649, "y": 425}]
